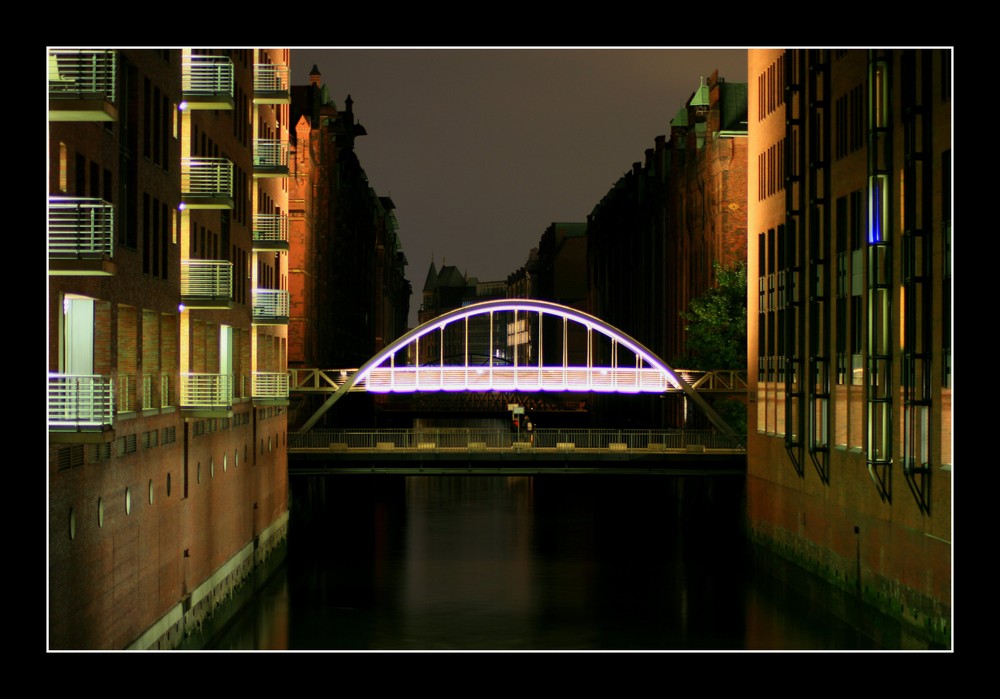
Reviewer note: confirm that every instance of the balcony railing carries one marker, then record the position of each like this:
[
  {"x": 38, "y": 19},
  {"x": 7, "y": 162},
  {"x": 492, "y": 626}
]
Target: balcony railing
[
  {"x": 126, "y": 393},
  {"x": 80, "y": 401},
  {"x": 270, "y": 84},
  {"x": 270, "y": 231},
  {"x": 270, "y": 306},
  {"x": 206, "y": 281},
  {"x": 76, "y": 73},
  {"x": 207, "y": 183},
  {"x": 81, "y": 229},
  {"x": 270, "y": 385},
  {"x": 166, "y": 391},
  {"x": 208, "y": 82},
  {"x": 207, "y": 391},
  {"x": 270, "y": 156},
  {"x": 147, "y": 392}
]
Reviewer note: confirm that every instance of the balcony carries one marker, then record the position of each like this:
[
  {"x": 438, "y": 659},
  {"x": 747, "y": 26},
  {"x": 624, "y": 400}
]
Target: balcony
[
  {"x": 81, "y": 403},
  {"x": 81, "y": 236},
  {"x": 82, "y": 85},
  {"x": 207, "y": 183},
  {"x": 270, "y": 307},
  {"x": 270, "y": 387},
  {"x": 270, "y": 84},
  {"x": 156, "y": 392},
  {"x": 270, "y": 157},
  {"x": 207, "y": 395},
  {"x": 126, "y": 394},
  {"x": 270, "y": 232},
  {"x": 207, "y": 82},
  {"x": 207, "y": 283}
]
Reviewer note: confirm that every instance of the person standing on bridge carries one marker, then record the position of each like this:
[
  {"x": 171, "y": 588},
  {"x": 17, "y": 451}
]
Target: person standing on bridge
[{"x": 531, "y": 434}]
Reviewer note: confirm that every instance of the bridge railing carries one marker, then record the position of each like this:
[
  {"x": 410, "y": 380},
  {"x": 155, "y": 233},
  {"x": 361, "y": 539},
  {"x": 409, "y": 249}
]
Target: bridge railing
[
  {"x": 472, "y": 378},
  {"x": 484, "y": 439}
]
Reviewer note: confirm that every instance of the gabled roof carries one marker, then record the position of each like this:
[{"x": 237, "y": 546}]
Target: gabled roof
[{"x": 430, "y": 284}]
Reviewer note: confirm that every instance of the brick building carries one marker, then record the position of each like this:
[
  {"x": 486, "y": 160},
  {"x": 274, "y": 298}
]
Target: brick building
[
  {"x": 654, "y": 239},
  {"x": 849, "y": 300},
  {"x": 167, "y": 386},
  {"x": 349, "y": 293},
  {"x": 349, "y": 289}
]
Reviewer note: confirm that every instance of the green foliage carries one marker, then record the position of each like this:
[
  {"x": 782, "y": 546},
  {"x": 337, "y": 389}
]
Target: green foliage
[
  {"x": 716, "y": 323},
  {"x": 734, "y": 412}
]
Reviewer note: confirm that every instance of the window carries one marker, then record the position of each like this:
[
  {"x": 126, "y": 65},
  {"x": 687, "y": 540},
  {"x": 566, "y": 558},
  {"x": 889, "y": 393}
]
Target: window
[
  {"x": 80, "y": 174},
  {"x": 147, "y": 118},
  {"x": 63, "y": 168},
  {"x": 877, "y": 214},
  {"x": 879, "y": 114}
]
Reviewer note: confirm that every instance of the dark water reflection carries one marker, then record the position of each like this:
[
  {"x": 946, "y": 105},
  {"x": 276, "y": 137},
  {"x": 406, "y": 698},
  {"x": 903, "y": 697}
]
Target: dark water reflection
[{"x": 524, "y": 563}]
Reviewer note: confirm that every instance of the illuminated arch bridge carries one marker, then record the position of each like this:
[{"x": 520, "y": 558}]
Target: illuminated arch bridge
[{"x": 514, "y": 345}]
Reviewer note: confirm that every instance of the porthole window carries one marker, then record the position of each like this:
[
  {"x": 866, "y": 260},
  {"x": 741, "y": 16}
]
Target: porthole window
[
  {"x": 72, "y": 524},
  {"x": 168, "y": 485},
  {"x": 236, "y": 458},
  {"x": 150, "y": 491},
  {"x": 100, "y": 512},
  {"x": 225, "y": 462},
  {"x": 211, "y": 467},
  {"x": 199, "y": 472},
  {"x": 269, "y": 444},
  {"x": 128, "y": 501}
]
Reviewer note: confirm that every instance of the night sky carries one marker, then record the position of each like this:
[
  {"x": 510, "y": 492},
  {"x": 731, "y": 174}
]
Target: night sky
[{"x": 481, "y": 149}]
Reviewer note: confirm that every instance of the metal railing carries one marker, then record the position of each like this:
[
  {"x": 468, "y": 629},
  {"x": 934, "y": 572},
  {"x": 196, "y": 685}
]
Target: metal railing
[
  {"x": 75, "y": 73},
  {"x": 166, "y": 391},
  {"x": 323, "y": 380},
  {"x": 147, "y": 392},
  {"x": 77, "y": 400},
  {"x": 209, "y": 178},
  {"x": 206, "y": 390},
  {"x": 81, "y": 227},
  {"x": 270, "y": 78},
  {"x": 126, "y": 393},
  {"x": 270, "y": 153},
  {"x": 207, "y": 76},
  {"x": 508, "y": 378},
  {"x": 270, "y": 228},
  {"x": 270, "y": 304},
  {"x": 270, "y": 384},
  {"x": 207, "y": 279},
  {"x": 498, "y": 438}
]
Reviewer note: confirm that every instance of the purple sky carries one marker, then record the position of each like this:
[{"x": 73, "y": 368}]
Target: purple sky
[{"x": 481, "y": 149}]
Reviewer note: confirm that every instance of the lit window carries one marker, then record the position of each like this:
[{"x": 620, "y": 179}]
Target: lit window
[
  {"x": 63, "y": 168},
  {"x": 876, "y": 209}
]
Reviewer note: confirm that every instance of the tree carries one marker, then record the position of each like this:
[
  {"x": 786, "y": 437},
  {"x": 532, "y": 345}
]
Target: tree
[{"x": 716, "y": 323}]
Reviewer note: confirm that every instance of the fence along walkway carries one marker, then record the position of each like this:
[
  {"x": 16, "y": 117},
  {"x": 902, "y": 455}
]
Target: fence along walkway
[{"x": 494, "y": 439}]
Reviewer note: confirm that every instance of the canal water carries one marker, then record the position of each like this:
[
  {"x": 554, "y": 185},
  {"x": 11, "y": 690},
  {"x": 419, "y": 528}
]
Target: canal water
[{"x": 556, "y": 562}]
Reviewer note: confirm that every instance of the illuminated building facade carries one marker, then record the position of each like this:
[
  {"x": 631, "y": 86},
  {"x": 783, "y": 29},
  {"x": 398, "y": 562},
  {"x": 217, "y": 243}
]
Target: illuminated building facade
[
  {"x": 350, "y": 296},
  {"x": 849, "y": 300},
  {"x": 168, "y": 308}
]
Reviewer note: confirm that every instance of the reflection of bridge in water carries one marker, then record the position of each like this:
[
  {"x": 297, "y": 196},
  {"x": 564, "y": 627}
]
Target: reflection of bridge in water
[{"x": 515, "y": 345}]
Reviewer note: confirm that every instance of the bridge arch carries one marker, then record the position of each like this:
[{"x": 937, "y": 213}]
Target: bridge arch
[{"x": 648, "y": 374}]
